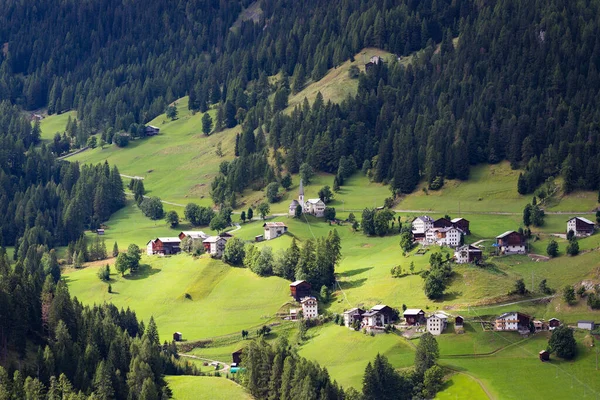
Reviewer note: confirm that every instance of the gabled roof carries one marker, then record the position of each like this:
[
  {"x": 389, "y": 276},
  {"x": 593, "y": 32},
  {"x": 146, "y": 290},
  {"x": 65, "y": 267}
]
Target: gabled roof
[
  {"x": 294, "y": 203},
  {"x": 506, "y": 314},
  {"x": 308, "y": 298},
  {"x": 505, "y": 234},
  {"x": 273, "y": 224},
  {"x": 355, "y": 310},
  {"x": 424, "y": 218},
  {"x": 378, "y": 307},
  {"x": 195, "y": 234},
  {"x": 314, "y": 201},
  {"x": 296, "y": 283},
  {"x": 585, "y": 321},
  {"x": 412, "y": 311},
  {"x": 554, "y": 319},
  {"x": 439, "y": 316},
  {"x": 587, "y": 221},
  {"x": 213, "y": 239},
  {"x": 455, "y": 220},
  {"x": 169, "y": 239}
]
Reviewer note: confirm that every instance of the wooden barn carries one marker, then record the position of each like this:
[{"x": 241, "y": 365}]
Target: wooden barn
[
  {"x": 151, "y": 130},
  {"x": 442, "y": 223},
  {"x": 459, "y": 321},
  {"x": 236, "y": 356},
  {"x": 553, "y": 323},
  {"x": 164, "y": 246},
  {"x": 299, "y": 289},
  {"x": 511, "y": 242},
  {"x": 544, "y": 356},
  {"x": 462, "y": 224},
  {"x": 178, "y": 336},
  {"x": 414, "y": 316}
]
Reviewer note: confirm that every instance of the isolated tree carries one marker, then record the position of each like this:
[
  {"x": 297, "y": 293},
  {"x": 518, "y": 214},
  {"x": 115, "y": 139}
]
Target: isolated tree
[
  {"x": 520, "y": 287},
  {"x": 115, "y": 251},
  {"x": 552, "y": 248},
  {"x": 133, "y": 253},
  {"x": 243, "y": 216},
  {"x": 172, "y": 218},
  {"x": 569, "y": 294},
  {"x": 562, "y": 342},
  {"x": 434, "y": 286},
  {"x": 272, "y": 192},
  {"x": 263, "y": 210},
  {"x": 298, "y": 211},
  {"x": 219, "y": 150},
  {"x": 250, "y": 214},
  {"x": 527, "y": 215},
  {"x": 122, "y": 264},
  {"x": 573, "y": 247},
  {"x": 218, "y": 223},
  {"x": 406, "y": 241},
  {"x": 325, "y": 194},
  {"x": 207, "y": 123},
  {"x": 427, "y": 353},
  {"x": 329, "y": 213},
  {"x": 153, "y": 208},
  {"x": 543, "y": 287},
  {"x": 234, "y": 251},
  {"x": 172, "y": 112}
]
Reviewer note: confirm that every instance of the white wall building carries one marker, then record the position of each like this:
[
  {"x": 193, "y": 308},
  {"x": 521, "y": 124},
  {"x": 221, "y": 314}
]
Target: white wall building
[
  {"x": 580, "y": 226},
  {"x": 422, "y": 224},
  {"x": 436, "y": 323},
  {"x": 314, "y": 207},
  {"x": 274, "y": 230},
  {"x": 587, "y": 325},
  {"x": 215, "y": 245},
  {"x": 450, "y": 236},
  {"x": 310, "y": 307}
]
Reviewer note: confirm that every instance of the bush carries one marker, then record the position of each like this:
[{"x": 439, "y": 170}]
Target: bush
[
  {"x": 552, "y": 249},
  {"x": 573, "y": 247}
]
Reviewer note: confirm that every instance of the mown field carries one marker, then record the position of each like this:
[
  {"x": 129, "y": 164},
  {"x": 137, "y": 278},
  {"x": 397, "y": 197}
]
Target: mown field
[
  {"x": 54, "y": 124},
  {"x": 205, "y": 388}
]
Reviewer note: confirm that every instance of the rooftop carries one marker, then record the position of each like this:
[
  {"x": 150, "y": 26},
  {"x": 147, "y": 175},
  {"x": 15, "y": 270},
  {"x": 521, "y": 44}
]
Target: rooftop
[
  {"x": 169, "y": 239},
  {"x": 458, "y": 219},
  {"x": 505, "y": 234},
  {"x": 273, "y": 224},
  {"x": 296, "y": 283},
  {"x": 212, "y": 239},
  {"x": 195, "y": 234},
  {"x": 412, "y": 311},
  {"x": 587, "y": 221}
]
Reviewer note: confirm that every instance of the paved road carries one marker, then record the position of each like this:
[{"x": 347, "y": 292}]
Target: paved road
[
  {"x": 132, "y": 177},
  {"x": 494, "y": 212},
  {"x": 162, "y": 201},
  {"x": 72, "y": 154}
]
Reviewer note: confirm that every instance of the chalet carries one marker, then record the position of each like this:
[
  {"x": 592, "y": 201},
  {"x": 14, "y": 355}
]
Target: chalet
[
  {"x": 195, "y": 235},
  {"x": 538, "y": 325},
  {"x": 511, "y": 242},
  {"x": 373, "y": 61},
  {"x": 414, "y": 316},
  {"x": 468, "y": 254},
  {"x": 436, "y": 323},
  {"x": 274, "y": 230},
  {"x": 580, "y": 226},
  {"x": 459, "y": 321},
  {"x": 353, "y": 315},
  {"x": 314, "y": 207},
  {"x": 449, "y": 236},
  {"x": 163, "y": 246},
  {"x": 512, "y": 321},
  {"x": 420, "y": 225},
  {"x": 442, "y": 223},
  {"x": 177, "y": 336},
  {"x": 310, "y": 307},
  {"x": 553, "y": 323},
  {"x": 236, "y": 356},
  {"x": 299, "y": 289},
  {"x": 587, "y": 325},
  {"x": 215, "y": 245},
  {"x": 100, "y": 231},
  {"x": 151, "y": 130},
  {"x": 462, "y": 224},
  {"x": 544, "y": 356},
  {"x": 377, "y": 318}
]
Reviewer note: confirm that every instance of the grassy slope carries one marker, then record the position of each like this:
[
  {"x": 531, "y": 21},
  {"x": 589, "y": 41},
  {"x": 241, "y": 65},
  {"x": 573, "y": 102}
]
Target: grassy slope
[
  {"x": 179, "y": 164},
  {"x": 461, "y": 386},
  {"x": 55, "y": 124},
  {"x": 224, "y": 299},
  {"x": 205, "y": 388}
]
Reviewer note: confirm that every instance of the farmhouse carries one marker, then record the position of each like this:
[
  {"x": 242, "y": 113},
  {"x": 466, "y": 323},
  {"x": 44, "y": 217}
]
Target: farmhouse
[
  {"x": 353, "y": 315},
  {"x": 163, "y": 246},
  {"x": 420, "y": 225},
  {"x": 553, "y": 323},
  {"x": 310, "y": 307},
  {"x": 436, "y": 323},
  {"x": 587, "y": 325},
  {"x": 151, "y": 130},
  {"x": 299, "y": 289},
  {"x": 274, "y": 230},
  {"x": 511, "y": 242},
  {"x": 215, "y": 245},
  {"x": 414, "y": 316},
  {"x": 314, "y": 207},
  {"x": 468, "y": 254},
  {"x": 462, "y": 224},
  {"x": 442, "y": 223},
  {"x": 512, "y": 321},
  {"x": 580, "y": 226},
  {"x": 377, "y": 317},
  {"x": 196, "y": 235},
  {"x": 449, "y": 236}
]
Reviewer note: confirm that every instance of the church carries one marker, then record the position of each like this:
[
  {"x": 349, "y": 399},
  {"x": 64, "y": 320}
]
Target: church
[{"x": 314, "y": 207}]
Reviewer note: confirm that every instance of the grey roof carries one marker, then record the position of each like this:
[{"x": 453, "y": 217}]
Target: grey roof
[
  {"x": 378, "y": 307},
  {"x": 412, "y": 311},
  {"x": 213, "y": 239},
  {"x": 169, "y": 239},
  {"x": 314, "y": 201},
  {"x": 425, "y": 218},
  {"x": 294, "y": 203},
  {"x": 195, "y": 234},
  {"x": 504, "y": 234},
  {"x": 296, "y": 283},
  {"x": 354, "y": 310},
  {"x": 587, "y": 221},
  {"x": 585, "y": 322}
]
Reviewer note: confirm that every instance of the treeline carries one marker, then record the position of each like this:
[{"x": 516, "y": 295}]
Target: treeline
[{"x": 82, "y": 352}]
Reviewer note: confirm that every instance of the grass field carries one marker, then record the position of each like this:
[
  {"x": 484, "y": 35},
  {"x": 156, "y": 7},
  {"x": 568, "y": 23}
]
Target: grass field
[
  {"x": 461, "y": 386},
  {"x": 55, "y": 123},
  {"x": 205, "y": 388}
]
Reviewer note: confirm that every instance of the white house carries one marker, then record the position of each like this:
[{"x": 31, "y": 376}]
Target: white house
[
  {"x": 274, "y": 230},
  {"x": 467, "y": 254},
  {"x": 310, "y": 307},
  {"x": 580, "y": 226},
  {"x": 352, "y": 315},
  {"x": 215, "y": 245},
  {"x": 587, "y": 325},
  {"x": 449, "y": 236},
  {"x": 436, "y": 323},
  {"x": 511, "y": 242},
  {"x": 314, "y": 207},
  {"x": 422, "y": 224},
  {"x": 196, "y": 235},
  {"x": 512, "y": 321}
]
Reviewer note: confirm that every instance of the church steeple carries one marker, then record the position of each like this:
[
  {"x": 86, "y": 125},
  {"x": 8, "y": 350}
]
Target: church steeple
[{"x": 301, "y": 194}]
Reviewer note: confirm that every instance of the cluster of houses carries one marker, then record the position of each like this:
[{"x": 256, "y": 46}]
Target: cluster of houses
[
  {"x": 373, "y": 320},
  {"x": 314, "y": 207},
  {"x": 213, "y": 245},
  {"x": 441, "y": 232},
  {"x": 300, "y": 291}
]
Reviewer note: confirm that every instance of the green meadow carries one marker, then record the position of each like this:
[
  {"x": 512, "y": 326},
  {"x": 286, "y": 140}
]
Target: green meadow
[
  {"x": 205, "y": 388},
  {"x": 54, "y": 124}
]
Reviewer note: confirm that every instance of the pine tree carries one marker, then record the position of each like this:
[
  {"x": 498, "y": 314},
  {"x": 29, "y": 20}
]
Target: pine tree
[{"x": 115, "y": 251}]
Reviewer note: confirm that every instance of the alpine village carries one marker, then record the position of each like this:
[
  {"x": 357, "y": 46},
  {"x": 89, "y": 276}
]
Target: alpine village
[{"x": 298, "y": 200}]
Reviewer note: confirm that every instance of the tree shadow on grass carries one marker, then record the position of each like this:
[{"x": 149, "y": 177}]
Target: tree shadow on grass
[
  {"x": 353, "y": 272},
  {"x": 352, "y": 284},
  {"x": 452, "y": 295},
  {"x": 144, "y": 271}
]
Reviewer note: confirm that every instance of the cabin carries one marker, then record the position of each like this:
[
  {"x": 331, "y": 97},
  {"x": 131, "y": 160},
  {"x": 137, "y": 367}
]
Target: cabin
[
  {"x": 310, "y": 307},
  {"x": 436, "y": 323},
  {"x": 538, "y": 325},
  {"x": 314, "y": 207},
  {"x": 163, "y": 246},
  {"x": 468, "y": 254},
  {"x": 420, "y": 225},
  {"x": 580, "y": 226},
  {"x": 353, "y": 315},
  {"x": 449, "y": 236},
  {"x": 553, "y": 323},
  {"x": 236, "y": 356},
  {"x": 512, "y": 321},
  {"x": 100, "y": 231},
  {"x": 195, "y": 235},
  {"x": 259, "y": 238},
  {"x": 462, "y": 224},
  {"x": 377, "y": 318},
  {"x": 459, "y": 321},
  {"x": 215, "y": 245},
  {"x": 299, "y": 289},
  {"x": 544, "y": 356},
  {"x": 587, "y": 325},
  {"x": 151, "y": 130},
  {"x": 274, "y": 230},
  {"x": 178, "y": 336},
  {"x": 414, "y": 316},
  {"x": 511, "y": 242}
]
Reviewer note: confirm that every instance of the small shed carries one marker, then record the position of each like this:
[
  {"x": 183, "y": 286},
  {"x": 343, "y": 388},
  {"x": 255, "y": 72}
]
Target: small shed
[
  {"x": 236, "y": 356},
  {"x": 544, "y": 356},
  {"x": 100, "y": 231},
  {"x": 587, "y": 325},
  {"x": 458, "y": 321},
  {"x": 258, "y": 238},
  {"x": 553, "y": 323},
  {"x": 178, "y": 336}
]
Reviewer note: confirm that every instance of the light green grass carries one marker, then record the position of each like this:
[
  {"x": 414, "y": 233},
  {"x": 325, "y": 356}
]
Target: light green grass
[
  {"x": 461, "y": 386},
  {"x": 186, "y": 387},
  {"x": 179, "y": 164},
  {"x": 55, "y": 123},
  {"x": 346, "y": 352},
  {"x": 224, "y": 299}
]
